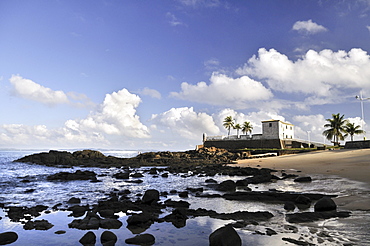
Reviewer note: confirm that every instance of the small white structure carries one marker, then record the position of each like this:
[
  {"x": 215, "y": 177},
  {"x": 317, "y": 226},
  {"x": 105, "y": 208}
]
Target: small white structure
[{"x": 276, "y": 129}]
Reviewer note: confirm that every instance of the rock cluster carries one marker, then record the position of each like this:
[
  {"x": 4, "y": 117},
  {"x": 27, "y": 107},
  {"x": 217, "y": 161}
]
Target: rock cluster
[
  {"x": 95, "y": 158},
  {"x": 148, "y": 208}
]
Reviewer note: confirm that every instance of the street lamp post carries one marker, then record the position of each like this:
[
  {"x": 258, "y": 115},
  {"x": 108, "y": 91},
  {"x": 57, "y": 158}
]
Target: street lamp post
[
  {"x": 309, "y": 140},
  {"x": 362, "y": 111}
]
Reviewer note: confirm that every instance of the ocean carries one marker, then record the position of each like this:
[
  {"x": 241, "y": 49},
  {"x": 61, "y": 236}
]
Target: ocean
[{"x": 23, "y": 184}]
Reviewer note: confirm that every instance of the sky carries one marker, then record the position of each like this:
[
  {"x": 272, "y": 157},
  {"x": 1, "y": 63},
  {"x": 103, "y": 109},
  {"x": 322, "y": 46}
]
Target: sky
[{"x": 157, "y": 74}]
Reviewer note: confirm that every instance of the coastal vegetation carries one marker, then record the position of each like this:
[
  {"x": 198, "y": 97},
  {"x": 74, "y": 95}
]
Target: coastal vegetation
[
  {"x": 340, "y": 128},
  {"x": 229, "y": 123}
]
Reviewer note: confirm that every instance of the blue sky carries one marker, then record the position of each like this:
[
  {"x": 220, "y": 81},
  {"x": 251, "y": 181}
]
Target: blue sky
[{"x": 157, "y": 74}]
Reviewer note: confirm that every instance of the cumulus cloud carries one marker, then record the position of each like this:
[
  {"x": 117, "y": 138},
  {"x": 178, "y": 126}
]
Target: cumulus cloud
[
  {"x": 28, "y": 89},
  {"x": 308, "y": 27},
  {"x": 116, "y": 115},
  {"x": 322, "y": 74},
  {"x": 254, "y": 118},
  {"x": 150, "y": 92},
  {"x": 239, "y": 93},
  {"x": 115, "y": 118},
  {"x": 185, "y": 122}
]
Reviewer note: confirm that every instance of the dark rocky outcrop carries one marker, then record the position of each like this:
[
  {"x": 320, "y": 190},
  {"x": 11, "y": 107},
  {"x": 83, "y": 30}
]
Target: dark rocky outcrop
[
  {"x": 8, "y": 237},
  {"x": 18, "y": 213},
  {"x": 38, "y": 225},
  {"x": 97, "y": 159},
  {"x": 303, "y": 179},
  {"x": 314, "y": 216},
  {"x": 272, "y": 196},
  {"x": 297, "y": 242},
  {"x": 142, "y": 239},
  {"x": 225, "y": 236},
  {"x": 78, "y": 175},
  {"x": 93, "y": 221}
]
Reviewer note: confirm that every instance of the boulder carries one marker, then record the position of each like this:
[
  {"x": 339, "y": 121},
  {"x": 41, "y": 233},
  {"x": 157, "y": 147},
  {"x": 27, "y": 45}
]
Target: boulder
[
  {"x": 107, "y": 213},
  {"x": 150, "y": 196},
  {"x": 122, "y": 175},
  {"x": 225, "y": 236},
  {"x": 227, "y": 185},
  {"x": 74, "y": 200},
  {"x": 108, "y": 238},
  {"x": 289, "y": 206},
  {"x": 89, "y": 239},
  {"x": 142, "y": 239},
  {"x": 325, "y": 204},
  {"x": 303, "y": 202},
  {"x": 8, "y": 237}
]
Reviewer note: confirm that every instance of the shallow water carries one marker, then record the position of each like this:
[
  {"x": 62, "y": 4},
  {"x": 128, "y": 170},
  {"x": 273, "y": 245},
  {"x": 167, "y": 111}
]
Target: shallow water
[{"x": 16, "y": 180}]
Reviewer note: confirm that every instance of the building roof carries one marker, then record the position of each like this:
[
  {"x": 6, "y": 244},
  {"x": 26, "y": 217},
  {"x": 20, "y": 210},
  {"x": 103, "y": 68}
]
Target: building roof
[{"x": 272, "y": 120}]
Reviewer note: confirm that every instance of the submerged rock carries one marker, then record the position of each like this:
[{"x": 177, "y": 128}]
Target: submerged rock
[
  {"x": 142, "y": 239},
  {"x": 314, "y": 216},
  {"x": 38, "y": 225},
  {"x": 78, "y": 175}
]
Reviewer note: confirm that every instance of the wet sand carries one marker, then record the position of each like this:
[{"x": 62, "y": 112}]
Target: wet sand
[{"x": 350, "y": 164}]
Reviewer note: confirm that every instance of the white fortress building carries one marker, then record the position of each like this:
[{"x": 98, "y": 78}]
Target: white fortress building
[{"x": 276, "y": 134}]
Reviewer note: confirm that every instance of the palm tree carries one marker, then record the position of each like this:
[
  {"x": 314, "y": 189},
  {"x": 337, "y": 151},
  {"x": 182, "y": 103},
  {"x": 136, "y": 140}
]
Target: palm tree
[
  {"x": 247, "y": 127},
  {"x": 237, "y": 127},
  {"x": 351, "y": 129},
  {"x": 228, "y": 124},
  {"x": 336, "y": 128}
]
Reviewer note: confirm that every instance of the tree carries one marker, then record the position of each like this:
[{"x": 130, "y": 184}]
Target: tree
[
  {"x": 351, "y": 129},
  {"x": 228, "y": 123},
  {"x": 336, "y": 128},
  {"x": 237, "y": 127},
  {"x": 247, "y": 127}
]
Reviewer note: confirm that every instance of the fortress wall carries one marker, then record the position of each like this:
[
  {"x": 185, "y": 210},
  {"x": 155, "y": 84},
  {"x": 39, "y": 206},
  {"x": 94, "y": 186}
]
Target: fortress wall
[{"x": 241, "y": 144}]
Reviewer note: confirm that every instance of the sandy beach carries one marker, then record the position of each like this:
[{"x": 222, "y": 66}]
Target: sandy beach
[{"x": 350, "y": 164}]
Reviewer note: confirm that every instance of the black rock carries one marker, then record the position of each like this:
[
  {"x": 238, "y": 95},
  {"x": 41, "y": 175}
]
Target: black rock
[
  {"x": 89, "y": 239},
  {"x": 108, "y": 238},
  {"x": 8, "y": 237},
  {"x": 325, "y": 204},
  {"x": 150, "y": 196},
  {"x": 142, "y": 239},
  {"x": 303, "y": 179},
  {"x": 225, "y": 236}
]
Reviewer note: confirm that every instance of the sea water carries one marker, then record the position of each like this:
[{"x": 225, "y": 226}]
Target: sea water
[{"x": 23, "y": 184}]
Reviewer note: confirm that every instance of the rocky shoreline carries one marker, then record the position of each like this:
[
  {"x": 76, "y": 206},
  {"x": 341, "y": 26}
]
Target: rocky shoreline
[{"x": 143, "y": 210}]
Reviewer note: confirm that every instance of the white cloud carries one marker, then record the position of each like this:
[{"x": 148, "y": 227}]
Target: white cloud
[
  {"x": 200, "y": 3},
  {"x": 308, "y": 27},
  {"x": 114, "y": 123},
  {"x": 116, "y": 115},
  {"x": 368, "y": 28},
  {"x": 28, "y": 89},
  {"x": 173, "y": 20},
  {"x": 238, "y": 93},
  {"x": 323, "y": 74},
  {"x": 254, "y": 118},
  {"x": 150, "y": 92},
  {"x": 185, "y": 122}
]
